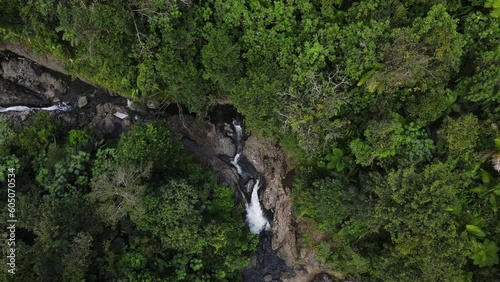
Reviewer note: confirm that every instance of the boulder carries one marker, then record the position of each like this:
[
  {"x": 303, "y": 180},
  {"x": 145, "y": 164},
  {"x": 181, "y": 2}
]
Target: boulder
[
  {"x": 82, "y": 102},
  {"x": 153, "y": 104},
  {"x": 52, "y": 86}
]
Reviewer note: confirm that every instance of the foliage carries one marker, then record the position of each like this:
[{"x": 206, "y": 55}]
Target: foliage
[
  {"x": 150, "y": 142},
  {"x": 6, "y": 134},
  {"x": 36, "y": 136},
  {"x": 475, "y": 231},
  {"x": 64, "y": 174},
  {"x": 118, "y": 191},
  {"x": 7, "y": 160},
  {"x": 108, "y": 214},
  {"x": 460, "y": 136},
  {"x": 172, "y": 217},
  {"x": 411, "y": 209},
  {"x": 335, "y": 160},
  {"x": 392, "y": 141},
  {"x": 495, "y": 5},
  {"x": 313, "y": 113},
  {"x": 420, "y": 56},
  {"x": 485, "y": 254},
  {"x": 481, "y": 84},
  {"x": 425, "y": 108},
  {"x": 385, "y": 107},
  {"x": 489, "y": 190}
]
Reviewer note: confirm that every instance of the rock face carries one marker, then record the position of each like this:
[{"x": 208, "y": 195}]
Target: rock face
[
  {"x": 46, "y": 61},
  {"x": 12, "y": 94},
  {"x": 323, "y": 277},
  {"x": 266, "y": 157},
  {"x": 201, "y": 138},
  {"x": 25, "y": 83},
  {"x": 26, "y": 74},
  {"x": 271, "y": 161}
]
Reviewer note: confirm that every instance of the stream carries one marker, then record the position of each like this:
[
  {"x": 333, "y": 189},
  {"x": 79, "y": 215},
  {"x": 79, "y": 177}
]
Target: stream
[
  {"x": 63, "y": 107},
  {"x": 266, "y": 266},
  {"x": 250, "y": 183}
]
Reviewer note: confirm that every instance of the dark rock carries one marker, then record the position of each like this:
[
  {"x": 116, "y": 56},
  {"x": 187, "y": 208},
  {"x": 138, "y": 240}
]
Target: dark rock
[
  {"x": 24, "y": 73},
  {"x": 52, "y": 86},
  {"x": 267, "y": 262},
  {"x": 105, "y": 123},
  {"x": 12, "y": 94}
]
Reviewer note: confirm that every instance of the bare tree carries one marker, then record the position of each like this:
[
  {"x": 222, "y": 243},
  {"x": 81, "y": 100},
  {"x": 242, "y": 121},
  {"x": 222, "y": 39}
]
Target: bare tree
[{"x": 119, "y": 191}]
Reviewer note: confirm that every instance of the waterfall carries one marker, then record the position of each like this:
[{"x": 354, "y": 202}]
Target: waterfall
[
  {"x": 239, "y": 130},
  {"x": 234, "y": 162},
  {"x": 256, "y": 219},
  {"x": 255, "y": 216},
  {"x": 239, "y": 135}
]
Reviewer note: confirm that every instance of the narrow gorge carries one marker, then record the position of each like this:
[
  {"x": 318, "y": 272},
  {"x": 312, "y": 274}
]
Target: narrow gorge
[{"x": 253, "y": 166}]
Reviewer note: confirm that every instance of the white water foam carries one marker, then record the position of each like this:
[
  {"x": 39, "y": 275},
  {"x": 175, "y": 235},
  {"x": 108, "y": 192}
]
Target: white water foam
[
  {"x": 14, "y": 109},
  {"x": 59, "y": 107},
  {"x": 239, "y": 129},
  {"x": 255, "y": 216},
  {"x": 235, "y": 163},
  {"x": 130, "y": 105}
]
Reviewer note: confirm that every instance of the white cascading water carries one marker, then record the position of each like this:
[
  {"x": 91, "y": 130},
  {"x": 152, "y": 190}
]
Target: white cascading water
[
  {"x": 235, "y": 163},
  {"x": 255, "y": 215},
  {"x": 59, "y": 107},
  {"x": 239, "y": 130},
  {"x": 14, "y": 109}
]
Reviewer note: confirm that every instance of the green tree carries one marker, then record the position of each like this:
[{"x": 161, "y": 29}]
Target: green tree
[
  {"x": 422, "y": 56},
  {"x": 37, "y": 134},
  {"x": 221, "y": 59},
  {"x": 77, "y": 260},
  {"x": 100, "y": 35},
  {"x": 481, "y": 84},
  {"x": 173, "y": 217},
  {"x": 426, "y": 242},
  {"x": 461, "y": 136},
  {"x": 391, "y": 141},
  {"x": 147, "y": 142}
]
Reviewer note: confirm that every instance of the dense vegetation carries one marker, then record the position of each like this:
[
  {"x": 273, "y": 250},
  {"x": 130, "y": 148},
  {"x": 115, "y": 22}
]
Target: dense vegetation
[
  {"x": 390, "y": 108},
  {"x": 91, "y": 209}
]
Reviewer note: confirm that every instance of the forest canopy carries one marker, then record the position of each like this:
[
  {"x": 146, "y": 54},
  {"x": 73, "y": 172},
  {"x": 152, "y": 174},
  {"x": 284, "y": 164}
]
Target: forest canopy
[
  {"x": 390, "y": 110},
  {"x": 92, "y": 209}
]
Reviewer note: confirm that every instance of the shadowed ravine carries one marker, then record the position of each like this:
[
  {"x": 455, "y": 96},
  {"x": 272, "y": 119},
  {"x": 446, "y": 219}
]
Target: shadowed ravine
[
  {"x": 251, "y": 186},
  {"x": 220, "y": 143}
]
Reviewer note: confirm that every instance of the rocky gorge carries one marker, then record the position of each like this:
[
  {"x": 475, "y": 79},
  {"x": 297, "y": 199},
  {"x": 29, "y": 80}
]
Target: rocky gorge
[{"x": 35, "y": 81}]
